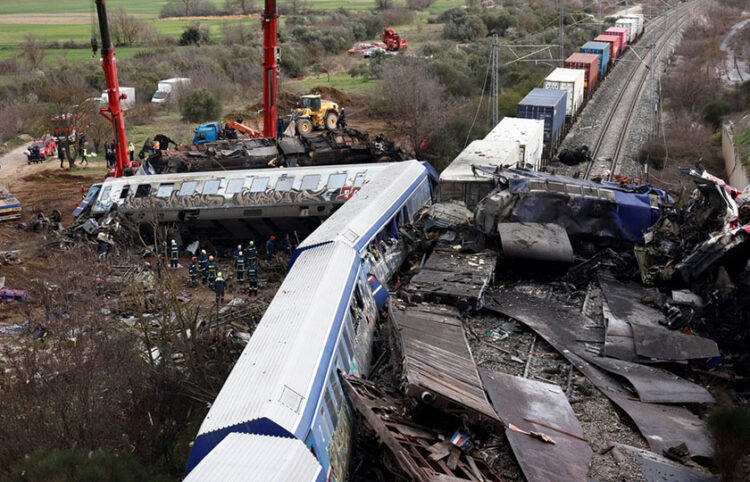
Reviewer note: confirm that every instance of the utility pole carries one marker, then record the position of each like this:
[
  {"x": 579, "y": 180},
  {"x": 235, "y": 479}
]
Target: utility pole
[
  {"x": 270, "y": 18},
  {"x": 494, "y": 88},
  {"x": 651, "y": 74},
  {"x": 562, "y": 36},
  {"x": 601, "y": 20}
]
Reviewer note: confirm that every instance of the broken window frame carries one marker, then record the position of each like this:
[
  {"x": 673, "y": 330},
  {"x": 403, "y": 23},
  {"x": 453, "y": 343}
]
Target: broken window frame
[
  {"x": 208, "y": 191},
  {"x": 143, "y": 190},
  {"x": 359, "y": 179},
  {"x": 161, "y": 190},
  {"x": 232, "y": 185},
  {"x": 192, "y": 185},
  {"x": 336, "y": 180},
  {"x": 284, "y": 183},
  {"x": 307, "y": 183},
  {"x": 259, "y": 184}
]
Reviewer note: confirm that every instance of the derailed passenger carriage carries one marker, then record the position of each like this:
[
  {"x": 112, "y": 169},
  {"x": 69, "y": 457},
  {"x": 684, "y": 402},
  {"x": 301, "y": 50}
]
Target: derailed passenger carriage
[
  {"x": 282, "y": 413},
  {"x": 235, "y": 203}
]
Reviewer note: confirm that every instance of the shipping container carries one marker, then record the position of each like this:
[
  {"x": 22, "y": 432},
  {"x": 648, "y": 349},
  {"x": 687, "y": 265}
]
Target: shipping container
[
  {"x": 621, "y": 32},
  {"x": 602, "y": 50},
  {"x": 638, "y": 18},
  {"x": 571, "y": 81},
  {"x": 461, "y": 182},
  {"x": 614, "y": 45},
  {"x": 631, "y": 25},
  {"x": 548, "y": 105},
  {"x": 589, "y": 63},
  {"x": 527, "y": 133}
]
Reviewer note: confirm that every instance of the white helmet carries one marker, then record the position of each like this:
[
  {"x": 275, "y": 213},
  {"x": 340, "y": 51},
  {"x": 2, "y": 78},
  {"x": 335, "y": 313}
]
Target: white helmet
[
  {"x": 203, "y": 251},
  {"x": 252, "y": 243},
  {"x": 174, "y": 242},
  {"x": 239, "y": 246},
  {"x": 240, "y": 253}
]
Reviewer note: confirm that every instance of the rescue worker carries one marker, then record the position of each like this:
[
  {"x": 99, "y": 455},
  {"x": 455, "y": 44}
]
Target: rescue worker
[
  {"x": 220, "y": 285},
  {"x": 212, "y": 271},
  {"x": 203, "y": 265},
  {"x": 240, "y": 265},
  {"x": 341, "y": 123},
  {"x": 84, "y": 156},
  {"x": 236, "y": 252},
  {"x": 155, "y": 147},
  {"x": 252, "y": 280},
  {"x": 193, "y": 270},
  {"x": 252, "y": 254},
  {"x": 131, "y": 151},
  {"x": 270, "y": 248},
  {"x": 174, "y": 254},
  {"x": 61, "y": 155}
]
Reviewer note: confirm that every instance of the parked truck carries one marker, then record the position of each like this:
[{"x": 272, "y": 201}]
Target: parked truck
[
  {"x": 167, "y": 87},
  {"x": 127, "y": 100}
]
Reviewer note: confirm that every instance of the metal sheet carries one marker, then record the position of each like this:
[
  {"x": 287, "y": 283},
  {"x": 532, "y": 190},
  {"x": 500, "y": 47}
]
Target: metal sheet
[
  {"x": 540, "y": 241},
  {"x": 624, "y": 302},
  {"x": 663, "y": 426},
  {"x": 437, "y": 360},
  {"x": 449, "y": 275},
  {"x": 666, "y": 344},
  {"x": 656, "y": 468},
  {"x": 516, "y": 399}
]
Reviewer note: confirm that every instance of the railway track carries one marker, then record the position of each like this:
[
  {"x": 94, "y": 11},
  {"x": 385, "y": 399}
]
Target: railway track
[{"x": 607, "y": 170}]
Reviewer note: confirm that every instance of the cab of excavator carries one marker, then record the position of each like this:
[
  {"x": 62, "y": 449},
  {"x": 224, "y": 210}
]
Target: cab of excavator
[{"x": 311, "y": 102}]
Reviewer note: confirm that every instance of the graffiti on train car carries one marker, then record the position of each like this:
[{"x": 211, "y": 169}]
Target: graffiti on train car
[
  {"x": 240, "y": 199},
  {"x": 338, "y": 449}
]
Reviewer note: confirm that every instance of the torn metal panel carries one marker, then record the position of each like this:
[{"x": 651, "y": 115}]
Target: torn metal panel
[
  {"x": 665, "y": 344},
  {"x": 518, "y": 400},
  {"x": 539, "y": 241},
  {"x": 447, "y": 215},
  {"x": 438, "y": 367},
  {"x": 565, "y": 327},
  {"x": 656, "y": 468},
  {"x": 413, "y": 446},
  {"x": 710, "y": 253},
  {"x": 618, "y": 337},
  {"x": 663, "y": 426},
  {"x": 449, "y": 275},
  {"x": 624, "y": 302}
]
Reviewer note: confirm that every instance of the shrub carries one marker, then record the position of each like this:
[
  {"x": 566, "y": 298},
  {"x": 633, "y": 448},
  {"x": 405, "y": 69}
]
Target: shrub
[
  {"x": 200, "y": 106},
  {"x": 177, "y": 8},
  {"x": 465, "y": 29},
  {"x": 397, "y": 16},
  {"x": 191, "y": 35},
  {"x": 714, "y": 110},
  {"x": 419, "y": 4}
]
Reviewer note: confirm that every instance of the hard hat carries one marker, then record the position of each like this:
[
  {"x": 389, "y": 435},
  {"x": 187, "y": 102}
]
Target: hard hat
[
  {"x": 240, "y": 253},
  {"x": 203, "y": 251},
  {"x": 193, "y": 258},
  {"x": 174, "y": 242},
  {"x": 219, "y": 275},
  {"x": 210, "y": 258},
  {"x": 239, "y": 246},
  {"x": 252, "y": 243}
]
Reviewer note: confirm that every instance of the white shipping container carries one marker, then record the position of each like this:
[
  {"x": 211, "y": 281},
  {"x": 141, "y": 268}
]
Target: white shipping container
[
  {"x": 527, "y": 133},
  {"x": 127, "y": 103},
  {"x": 631, "y": 25},
  {"x": 571, "y": 81},
  {"x": 638, "y": 22},
  {"x": 460, "y": 182}
]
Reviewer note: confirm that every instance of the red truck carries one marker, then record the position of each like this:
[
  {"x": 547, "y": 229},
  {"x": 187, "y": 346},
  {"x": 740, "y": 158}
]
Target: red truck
[
  {"x": 41, "y": 149},
  {"x": 393, "y": 41}
]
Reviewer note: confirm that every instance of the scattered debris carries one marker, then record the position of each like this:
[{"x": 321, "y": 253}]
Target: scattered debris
[
  {"x": 10, "y": 207},
  {"x": 656, "y": 468},
  {"x": 539, "y": 241},
  {"x": 8, "y": 295}
]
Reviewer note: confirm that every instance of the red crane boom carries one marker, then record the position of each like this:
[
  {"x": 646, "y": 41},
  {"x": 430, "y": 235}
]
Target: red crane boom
[
  {"x": 270, "y": 67},
  {"x": 113, "y": 111}
]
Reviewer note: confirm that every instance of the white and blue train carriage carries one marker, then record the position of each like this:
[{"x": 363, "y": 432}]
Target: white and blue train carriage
[
  {"x": 285, "y": 382},
  {"x": 370, "y": 221}
]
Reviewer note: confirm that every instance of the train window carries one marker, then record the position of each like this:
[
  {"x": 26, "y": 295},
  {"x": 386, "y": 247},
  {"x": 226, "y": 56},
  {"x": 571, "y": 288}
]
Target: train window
[
  {"x": 235, "y": 185},
  {"x": 338, "y": 394},
  {"x": 348, "y": 338},
  {"x": 143, "y": 190},
  {"x": 259, "y": 184},
  {"x": 211, "y": 187},
  {"x": 105, "y": 193},
  {"x": 344, "y": 359},
  {"x": 284, "y": 184},
  {"x": 310, "y": 182},
  {"x": 336, "y": 181},
  {"x": 330, "y": 408},
  {"x": 125, "y": 191},
  {"x": 188, "y": 188},
  {"x": 359, "y": 180},
  {"x": 358, "y": 298},
  {"x": 164, "y": 190}
]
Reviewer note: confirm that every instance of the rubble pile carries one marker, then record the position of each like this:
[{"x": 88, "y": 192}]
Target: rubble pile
[{"x": 598, "y": 348}]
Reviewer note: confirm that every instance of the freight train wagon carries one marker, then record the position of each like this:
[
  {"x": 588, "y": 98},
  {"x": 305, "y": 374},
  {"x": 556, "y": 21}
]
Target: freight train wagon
[
  {"x": 571, "y": 81},
  {"x": 528, "y": 134},
  {"x": 602, "y": 50},
  {"x": 589, "y": 63},
  {"x": 460, "y": 181},
  {"x": 282, "y": 414},
  {"x": 614, "y": 45},
  {"x": 622, "y": 33},
  {"x": 547, "y": 105}
]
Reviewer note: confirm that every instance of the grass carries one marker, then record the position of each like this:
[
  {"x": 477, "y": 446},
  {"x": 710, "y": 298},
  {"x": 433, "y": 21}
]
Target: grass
[{"x": 341, "y": 81}]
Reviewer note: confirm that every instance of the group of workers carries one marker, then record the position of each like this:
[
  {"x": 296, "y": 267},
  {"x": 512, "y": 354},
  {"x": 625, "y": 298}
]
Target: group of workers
[{"x": 245, "y": 268}]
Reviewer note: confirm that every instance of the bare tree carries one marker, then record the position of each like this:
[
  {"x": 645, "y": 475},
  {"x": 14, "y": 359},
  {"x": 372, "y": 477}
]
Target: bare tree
[
  {"x": 126, "y": 29},
  {"x": 33, "y": 50},
  {"x": 297, "y": 7},
  {"x": 188, "y": 6},
  {"x": 383, "y": 4},
  {"x": 416, "y": 100},
  {"x": 243, "y": 6}
]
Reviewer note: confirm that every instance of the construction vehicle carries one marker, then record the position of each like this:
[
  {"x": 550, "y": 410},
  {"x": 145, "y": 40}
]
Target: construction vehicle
[
  {"x": 315, "y": 113},
  {"x": 212, "y": 131},
  {"x": 393, "y": 41}
]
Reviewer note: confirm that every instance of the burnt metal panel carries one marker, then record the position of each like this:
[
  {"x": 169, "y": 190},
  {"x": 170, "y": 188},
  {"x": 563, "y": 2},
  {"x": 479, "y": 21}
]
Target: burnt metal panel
[
  {"x": 449, "y": 275},
  {"x": 624, "y": 302},
  {"x": 518, "y": 400},
  {"x": 656, "y": 468},
  {"x": 438, "y": 366},
  {"x": 540, "y": 241},
  {"x": 663, "y": 426}
]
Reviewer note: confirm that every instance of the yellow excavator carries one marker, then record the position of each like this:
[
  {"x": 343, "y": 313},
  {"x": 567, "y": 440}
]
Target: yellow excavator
[{"x": 315, "y": 113}]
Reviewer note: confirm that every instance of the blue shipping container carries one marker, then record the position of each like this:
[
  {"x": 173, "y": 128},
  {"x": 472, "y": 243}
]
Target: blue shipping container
[
  {"x": 547, "y": 105},
  {"x": 602, "y": 50}
]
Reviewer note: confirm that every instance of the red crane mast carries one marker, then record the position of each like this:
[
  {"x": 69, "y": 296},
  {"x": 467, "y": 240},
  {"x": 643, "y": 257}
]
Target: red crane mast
[
  {"x": 270, "y": 67},
  {"x": 113, "y": 112}
]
